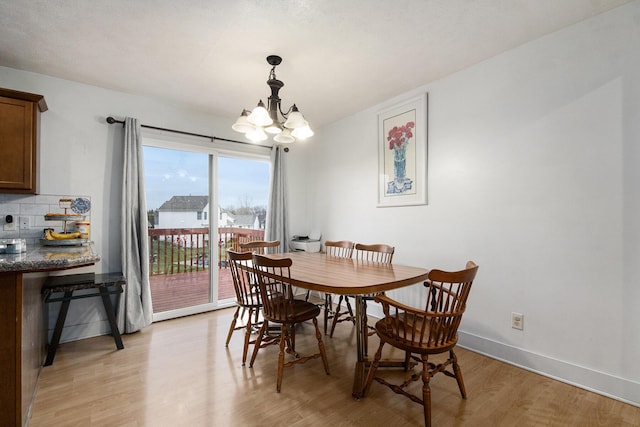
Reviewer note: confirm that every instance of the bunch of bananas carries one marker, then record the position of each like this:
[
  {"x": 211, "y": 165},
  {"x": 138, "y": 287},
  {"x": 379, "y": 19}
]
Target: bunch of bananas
[{"x": 49, "y": 234}]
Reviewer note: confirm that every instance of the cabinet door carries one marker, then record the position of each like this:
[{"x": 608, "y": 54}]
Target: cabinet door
[{"x": 18, "y": 145}]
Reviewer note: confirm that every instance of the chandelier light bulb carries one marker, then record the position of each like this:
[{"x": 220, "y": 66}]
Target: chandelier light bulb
[
  {"x": 242, "y": 125},
  {"x": 284, "y": 137},
  {"x": 303, "y": 132},
  {"x": 273, "y": 128},
  {"x": 260, "y": 116},
  {"x": 256, "y": 135},
  {"x": 295, "y": 119}
]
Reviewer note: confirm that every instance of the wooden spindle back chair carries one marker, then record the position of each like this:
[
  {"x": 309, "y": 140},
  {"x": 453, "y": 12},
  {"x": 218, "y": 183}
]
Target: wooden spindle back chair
[
  {"x": 423, "y": 332},
  {"x": 261, "y": 246},
  {"x": 381, "y": 253},
  {"x": 279, "y": 306},
  {"x": 375, "y": 253},
  {"x": 247, "y": 297},
  {"x": 337, "y": 249}
]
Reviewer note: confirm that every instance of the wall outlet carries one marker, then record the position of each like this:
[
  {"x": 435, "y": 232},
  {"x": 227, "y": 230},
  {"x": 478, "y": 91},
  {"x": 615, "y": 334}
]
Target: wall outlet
[
  {"x": 517, "y": 321},
  {"x": 25, "y": 222}
]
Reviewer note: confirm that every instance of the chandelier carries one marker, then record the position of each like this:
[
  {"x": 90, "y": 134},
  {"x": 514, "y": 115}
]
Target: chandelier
[{"x": 263, "y": 120}]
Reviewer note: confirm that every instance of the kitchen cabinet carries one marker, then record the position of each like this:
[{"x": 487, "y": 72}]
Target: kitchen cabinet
[{"x": 19, "y": 140}]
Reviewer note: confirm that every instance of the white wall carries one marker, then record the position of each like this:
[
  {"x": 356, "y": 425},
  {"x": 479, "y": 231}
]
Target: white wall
[{"x": 533, "y": 173}]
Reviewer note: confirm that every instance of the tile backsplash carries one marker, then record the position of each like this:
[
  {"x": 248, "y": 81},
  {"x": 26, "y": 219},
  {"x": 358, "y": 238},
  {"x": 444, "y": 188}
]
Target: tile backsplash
[{"x": 32, "y": 209}]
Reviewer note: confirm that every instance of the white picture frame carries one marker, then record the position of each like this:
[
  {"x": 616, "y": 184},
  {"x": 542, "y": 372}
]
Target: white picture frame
[{"x": 402, "y": 153}]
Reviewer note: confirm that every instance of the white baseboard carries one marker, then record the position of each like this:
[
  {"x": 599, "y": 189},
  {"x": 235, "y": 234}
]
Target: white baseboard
[
  {"x": 598, "y": 382},
  {"x": 621, "y": 389}
]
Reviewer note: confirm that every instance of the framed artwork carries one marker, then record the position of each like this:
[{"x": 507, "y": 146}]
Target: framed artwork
[{"x": 402, "y": 154}]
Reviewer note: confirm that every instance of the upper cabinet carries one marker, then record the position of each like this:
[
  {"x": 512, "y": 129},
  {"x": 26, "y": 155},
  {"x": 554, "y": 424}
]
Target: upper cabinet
[{"x": 19, "y": 140}]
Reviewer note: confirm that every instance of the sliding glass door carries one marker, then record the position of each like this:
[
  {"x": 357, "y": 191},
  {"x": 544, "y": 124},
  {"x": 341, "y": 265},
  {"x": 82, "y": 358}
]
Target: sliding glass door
[{"x": 199, "y": 205}]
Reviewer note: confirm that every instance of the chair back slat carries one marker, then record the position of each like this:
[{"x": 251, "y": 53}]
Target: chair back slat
[
  {"x": 274, "y": 280},
  {"x": 244, "y": 281},
  {"x": 339, "y": 249},
  {"x": 261, "y": 246},
  {"x": 376, "y": 253}
]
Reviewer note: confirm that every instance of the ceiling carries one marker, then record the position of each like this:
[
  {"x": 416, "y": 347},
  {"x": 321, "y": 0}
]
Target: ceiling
[{"x": 339, "y": 56}]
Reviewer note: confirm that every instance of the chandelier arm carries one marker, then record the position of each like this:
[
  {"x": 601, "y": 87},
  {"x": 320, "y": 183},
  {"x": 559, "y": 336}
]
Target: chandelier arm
[{"x": 285, "y": 115}]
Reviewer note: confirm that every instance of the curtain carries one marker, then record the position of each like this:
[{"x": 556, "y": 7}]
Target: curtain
[
  {"x": 135, "y": 310},
  {"x": 277, "y": 227}
]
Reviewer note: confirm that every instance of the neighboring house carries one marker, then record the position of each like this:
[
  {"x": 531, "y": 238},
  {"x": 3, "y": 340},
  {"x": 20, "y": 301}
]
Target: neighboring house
[
  {"x": 253, "y": 221},
  {"x": 193, "y": 212},
  {"x": 225, "y": 219},
  {"x": 245, "y": 221},
  {"x": 184, "y": 212}
]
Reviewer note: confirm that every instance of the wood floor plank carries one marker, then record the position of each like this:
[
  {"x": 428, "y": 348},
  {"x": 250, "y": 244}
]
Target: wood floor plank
[{"x": 179, "y": 373}]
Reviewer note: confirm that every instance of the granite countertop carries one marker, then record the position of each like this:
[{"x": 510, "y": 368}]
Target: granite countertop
[{"x": 47, "y": 258}]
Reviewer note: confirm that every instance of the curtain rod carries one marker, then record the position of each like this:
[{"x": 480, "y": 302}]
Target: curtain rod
[{"x": 111, "y": 121}]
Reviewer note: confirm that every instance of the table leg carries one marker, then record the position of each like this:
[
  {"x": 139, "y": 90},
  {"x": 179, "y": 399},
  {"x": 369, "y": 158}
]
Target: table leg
[
  {"x": 359, "y": 376},
  {"x": 57, "y": 332},
  {"x": 108, "y": 307}
]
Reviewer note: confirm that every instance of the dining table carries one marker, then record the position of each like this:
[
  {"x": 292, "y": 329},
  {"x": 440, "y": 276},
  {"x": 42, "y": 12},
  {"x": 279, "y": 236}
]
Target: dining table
[{"x": 349, "y": 276}]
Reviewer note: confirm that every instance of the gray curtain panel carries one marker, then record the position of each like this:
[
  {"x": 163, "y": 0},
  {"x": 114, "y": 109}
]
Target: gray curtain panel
[
  {"x": 135, "y": 310},
  {"x": 277, "y": 226}
]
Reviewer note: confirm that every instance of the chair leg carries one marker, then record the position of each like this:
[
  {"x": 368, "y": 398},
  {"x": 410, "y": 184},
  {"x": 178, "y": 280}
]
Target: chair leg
[
  {"x": 350, "y": 310},
  {"x": 458, "y": 372},
  {"x": 256, "y": 346},
  {"x": 323, "y": 352},
  {"x": 247, "y": 336},
  {"x": 283, "y": 339},
  {"x": 372, "y": 369},
  {"x": 233, "y": 326},
  {"x": 426, "y": 391},
  {"x": 328, "y": 308},
  {"x": 292, "y": 337},
  {"x": 336, "y": 314}
]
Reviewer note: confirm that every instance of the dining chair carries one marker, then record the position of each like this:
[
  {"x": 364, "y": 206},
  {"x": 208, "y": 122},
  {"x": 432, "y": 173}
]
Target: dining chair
[
  {"x": 247, "y": 298},
  {"x": 421, "y": 333},
  {"x": 381, "y": 253},
  {"x": 254, "y": 246},
  {"x": 280, "y": 307},
  {"x": 337, "y": 249},
  {"x": 261, "y": 246}
]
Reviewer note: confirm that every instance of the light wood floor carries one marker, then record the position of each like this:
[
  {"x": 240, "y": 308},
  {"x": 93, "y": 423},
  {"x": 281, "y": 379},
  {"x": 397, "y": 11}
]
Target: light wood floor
[{"x": 178, "y": 373}]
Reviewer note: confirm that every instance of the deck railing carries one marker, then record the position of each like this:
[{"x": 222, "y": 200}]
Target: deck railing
[{"x": 182, "y": 250}]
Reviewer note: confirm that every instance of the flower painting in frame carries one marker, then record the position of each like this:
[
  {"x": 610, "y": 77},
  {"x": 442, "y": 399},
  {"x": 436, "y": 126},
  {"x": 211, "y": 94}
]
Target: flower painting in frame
[{"x": 402, "y": 153}]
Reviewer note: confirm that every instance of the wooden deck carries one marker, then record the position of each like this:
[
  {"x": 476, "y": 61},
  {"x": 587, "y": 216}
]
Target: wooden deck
[{"x": 172, "y": 291}]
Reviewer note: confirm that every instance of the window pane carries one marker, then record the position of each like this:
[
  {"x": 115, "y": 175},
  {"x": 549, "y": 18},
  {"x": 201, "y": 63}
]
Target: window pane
[
  {"x": 243, "y": 189},
  {"x": 177, "y": 190}
]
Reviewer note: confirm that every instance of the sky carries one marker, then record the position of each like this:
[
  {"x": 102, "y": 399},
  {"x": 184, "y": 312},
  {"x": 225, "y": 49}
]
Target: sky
[{"x": 169, "y": 173}]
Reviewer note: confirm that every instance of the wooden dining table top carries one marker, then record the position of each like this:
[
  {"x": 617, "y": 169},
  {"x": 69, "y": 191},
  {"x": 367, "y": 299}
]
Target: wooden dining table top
[{"x": 348, "y": 276}]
